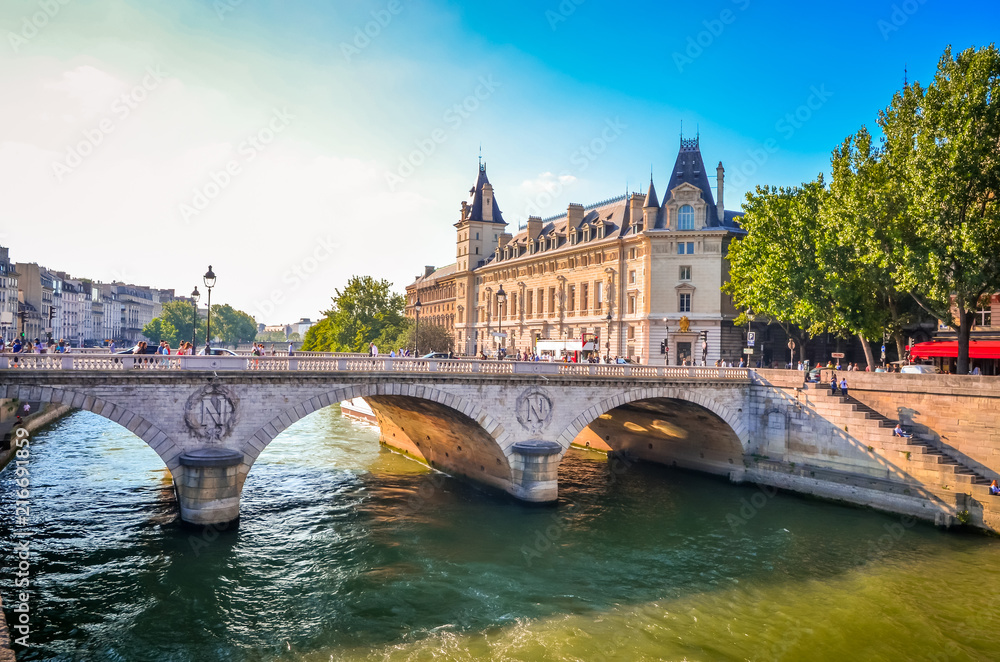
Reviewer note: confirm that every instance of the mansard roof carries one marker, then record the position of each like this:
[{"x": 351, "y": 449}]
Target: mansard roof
[
  {"x": 690, "y": 168},
  {"x": 476, "y": 202}
]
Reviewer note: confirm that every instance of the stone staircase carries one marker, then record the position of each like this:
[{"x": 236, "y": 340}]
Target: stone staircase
[{"x": 920, "y": 460}]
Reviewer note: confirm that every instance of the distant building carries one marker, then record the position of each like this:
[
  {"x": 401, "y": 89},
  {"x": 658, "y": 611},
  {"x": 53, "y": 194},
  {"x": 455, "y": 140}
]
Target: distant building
[
  {"x": 632, "y": 273},
  {"x": 8, "y": 296},
  {"x": 302, "y": 326}
]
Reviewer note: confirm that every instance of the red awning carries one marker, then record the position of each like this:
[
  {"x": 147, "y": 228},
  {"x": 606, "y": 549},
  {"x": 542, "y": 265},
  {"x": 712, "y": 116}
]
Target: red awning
[{"x": 978, "y": 349}]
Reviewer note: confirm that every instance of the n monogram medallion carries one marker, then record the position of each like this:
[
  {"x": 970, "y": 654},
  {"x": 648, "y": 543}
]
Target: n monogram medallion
[
  {"x": 210, "y": 412},
  {"x": 534, "y": 409}
]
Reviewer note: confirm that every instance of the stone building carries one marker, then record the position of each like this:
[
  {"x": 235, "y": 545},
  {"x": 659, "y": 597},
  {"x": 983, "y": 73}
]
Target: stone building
[
  {"x": 8, "y": 296},
  {"x": 634, "y": 274}
]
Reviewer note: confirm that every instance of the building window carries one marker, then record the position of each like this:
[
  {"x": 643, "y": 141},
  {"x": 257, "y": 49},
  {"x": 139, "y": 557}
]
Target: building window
[
  {"x": 685, "y": 218},
  {"x": 685, "y": 248},
  {"x": 631, "y": 305},
  {"x": 984, "y": 317},
  {"x": 685, "y": 273},
  {"x": 684, "y": 305},
  {"x": 598, "y": 295},
  {"x": 477, "y": 236},
  {"x": 571, "y": 298},
  {"x": 631, "y": 277},
  {"x": 584, "y": 299},
  {"x": 631, "y": 332}
]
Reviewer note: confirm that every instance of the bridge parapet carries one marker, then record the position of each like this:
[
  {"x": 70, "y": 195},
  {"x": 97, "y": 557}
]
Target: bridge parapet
[{"x": 117, "y": 362}]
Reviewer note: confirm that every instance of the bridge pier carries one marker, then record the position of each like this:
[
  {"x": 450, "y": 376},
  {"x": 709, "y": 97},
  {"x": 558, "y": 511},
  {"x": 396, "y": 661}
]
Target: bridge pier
[
  {"x": 535, "y": 470},
  {"x": 208, "y": 489}
]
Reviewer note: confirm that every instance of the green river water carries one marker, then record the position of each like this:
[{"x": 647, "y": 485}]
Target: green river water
[{"x": 348, "y": 552}]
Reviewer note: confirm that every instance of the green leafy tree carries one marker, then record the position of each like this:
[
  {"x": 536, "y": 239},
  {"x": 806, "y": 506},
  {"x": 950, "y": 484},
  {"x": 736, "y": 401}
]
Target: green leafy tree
[
  {"x": 181, "y": 315},
  {"x": 862, "y": 221},
  {"x": 232, "y": 326},
  {"x": 432, "y": 338},
  {"x": 950, "y": 261},
  {"x": 366, "y": 310},
  {"x": 158, "y": 330},
  {"x": 773, "y": 270}
]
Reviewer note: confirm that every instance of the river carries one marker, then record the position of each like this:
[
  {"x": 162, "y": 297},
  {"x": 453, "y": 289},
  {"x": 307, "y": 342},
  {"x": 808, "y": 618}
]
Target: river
[{"x": 348, "y": 552}]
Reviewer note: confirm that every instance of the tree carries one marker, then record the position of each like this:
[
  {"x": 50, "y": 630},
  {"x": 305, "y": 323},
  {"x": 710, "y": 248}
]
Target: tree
[
  {"x": 863, "y": 219},
  {"x": 181, "y": 315},
  {"x": 158, "y": 330},
  {"x": 773, "y": 270},
  {"x": 363, "y": 312},
  {"x": 950, "y": 256},
  {"x": 432, "y": 338},
  {"x": 232, "y": 326}
]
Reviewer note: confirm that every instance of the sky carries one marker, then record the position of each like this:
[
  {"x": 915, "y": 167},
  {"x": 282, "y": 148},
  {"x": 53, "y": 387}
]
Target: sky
[{"x": 293, "y": 144}]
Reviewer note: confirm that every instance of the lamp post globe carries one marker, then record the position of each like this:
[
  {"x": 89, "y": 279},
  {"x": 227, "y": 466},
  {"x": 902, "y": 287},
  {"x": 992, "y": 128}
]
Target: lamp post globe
[
  {"x": 416, "y": 332},
  {"x": 209, "y": 279}
]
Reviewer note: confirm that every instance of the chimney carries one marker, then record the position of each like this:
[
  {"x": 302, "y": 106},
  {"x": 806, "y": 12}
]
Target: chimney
[
  {"x": 428, "y": 270},
  {"x": 574, "y": 214},
  {"x": 635, "y": 209},
  {"x": 720, "y": 205},
  {"x": 534, "y": 227}
]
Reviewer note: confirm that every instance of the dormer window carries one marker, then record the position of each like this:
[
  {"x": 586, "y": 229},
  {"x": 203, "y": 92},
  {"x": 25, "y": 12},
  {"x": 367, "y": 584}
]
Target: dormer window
[{"x": 685, "y": 218}]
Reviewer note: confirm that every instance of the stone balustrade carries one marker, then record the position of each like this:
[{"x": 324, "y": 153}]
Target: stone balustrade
[{"x": 115, "y": 362}]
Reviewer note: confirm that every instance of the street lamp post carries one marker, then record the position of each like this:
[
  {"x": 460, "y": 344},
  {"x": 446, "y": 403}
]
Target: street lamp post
[
  {"x": 704, "y": 348},
  {"x": 607, "y": 343},
  {"x": 196, "y": 296},
  {"x": 791, "y": 354},
  {"x": 209, "y": 279},
  {"x": 416, "y": 332},
  {"x": 501, "y": 300}
]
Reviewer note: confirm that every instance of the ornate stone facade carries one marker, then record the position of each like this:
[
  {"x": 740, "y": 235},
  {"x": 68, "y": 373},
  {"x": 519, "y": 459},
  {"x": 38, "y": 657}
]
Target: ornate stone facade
[{"x": 636, "y": 274}]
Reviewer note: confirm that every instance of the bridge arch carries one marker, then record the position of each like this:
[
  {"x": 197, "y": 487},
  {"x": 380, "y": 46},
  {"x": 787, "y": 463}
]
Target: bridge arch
[
  {"x": 489, "y": 462},
  {"x": 697, "y": 397},
  {"x": 154, "y": 437}
]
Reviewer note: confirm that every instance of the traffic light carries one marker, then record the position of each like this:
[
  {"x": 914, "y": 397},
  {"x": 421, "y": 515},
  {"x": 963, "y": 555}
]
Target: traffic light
[{"x": 663, "y": 347}]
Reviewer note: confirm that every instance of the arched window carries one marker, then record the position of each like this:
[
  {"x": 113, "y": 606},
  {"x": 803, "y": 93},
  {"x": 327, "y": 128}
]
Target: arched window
[{"x": 685, "y": 218}]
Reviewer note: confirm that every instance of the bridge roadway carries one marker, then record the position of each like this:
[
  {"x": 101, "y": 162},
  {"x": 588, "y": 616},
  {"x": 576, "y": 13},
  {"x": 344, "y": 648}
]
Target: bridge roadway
[{"x": 502, "y": 424}]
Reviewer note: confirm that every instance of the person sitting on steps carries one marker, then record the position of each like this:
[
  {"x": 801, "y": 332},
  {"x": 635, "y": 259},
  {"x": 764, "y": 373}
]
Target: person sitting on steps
[
  {"x": 899, "y": 432},
  {"x": 994, "y": 489}
]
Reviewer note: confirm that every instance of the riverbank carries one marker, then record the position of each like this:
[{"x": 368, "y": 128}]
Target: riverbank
[
  {"x": 48, "y": 415},
  {"x": 6, "y": 652}
]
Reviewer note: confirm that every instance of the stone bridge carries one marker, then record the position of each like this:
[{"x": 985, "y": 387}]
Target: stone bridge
[{"x": 506, "y": 425}]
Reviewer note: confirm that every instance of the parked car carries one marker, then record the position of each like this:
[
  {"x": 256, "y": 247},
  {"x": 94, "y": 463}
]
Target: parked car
[
  {"x": 919, "y": 369},
  {"x": 150, "y": 349},
  {"x": 435, "y": 355},
  {"x": 218, "y": 351}
]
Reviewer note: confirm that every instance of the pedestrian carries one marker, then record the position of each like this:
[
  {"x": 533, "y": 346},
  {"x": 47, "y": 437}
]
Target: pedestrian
[
  {"x": 843, "y": 387},
  {"x": 290, "y": 346},
  {"x": 833, "y": 384}
]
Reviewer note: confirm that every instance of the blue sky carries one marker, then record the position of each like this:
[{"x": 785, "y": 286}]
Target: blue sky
[{"x": 293, "y": 144}]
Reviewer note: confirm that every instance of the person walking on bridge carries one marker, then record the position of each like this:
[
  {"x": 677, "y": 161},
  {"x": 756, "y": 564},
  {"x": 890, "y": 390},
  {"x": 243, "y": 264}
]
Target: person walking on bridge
[{"x": 833, "y": 384}]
